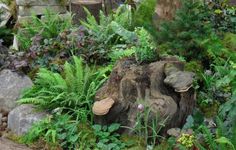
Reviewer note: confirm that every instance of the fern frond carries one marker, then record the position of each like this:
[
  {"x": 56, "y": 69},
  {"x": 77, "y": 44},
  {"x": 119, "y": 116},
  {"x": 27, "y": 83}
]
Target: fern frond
[
  {"x": 208, "y": 137},
  {"x": 79, "y": 74},
  {"x": 90, "y": 22},
  {"x": 69, "y": 76},
  {"x": 74, "y": 90},
  {"x": 35, "y": 101}
]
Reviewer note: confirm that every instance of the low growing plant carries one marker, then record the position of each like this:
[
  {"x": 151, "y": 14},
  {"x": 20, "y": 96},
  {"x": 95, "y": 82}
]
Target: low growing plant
[
  {"x": 148, "y": 125},
  {"x": 48, "y": 27},
  {"x": 59, "y": 131},
  {"x": 108, "y": 138}
]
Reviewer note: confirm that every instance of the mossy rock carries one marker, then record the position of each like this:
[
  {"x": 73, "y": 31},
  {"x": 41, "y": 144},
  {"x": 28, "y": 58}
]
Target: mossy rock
[
  {"x": 210, "y": 110},
  {"x": 229, "y": 41},
  {"x": 196, "y": 67},
  {"x": 133, "y": 142}
]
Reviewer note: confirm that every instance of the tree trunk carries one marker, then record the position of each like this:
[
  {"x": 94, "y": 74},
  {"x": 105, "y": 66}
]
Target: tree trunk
[
  {"x": 111, "y": 4},
  {"x": 77, "y": 7},
  {"x": 165, "y": 9}
]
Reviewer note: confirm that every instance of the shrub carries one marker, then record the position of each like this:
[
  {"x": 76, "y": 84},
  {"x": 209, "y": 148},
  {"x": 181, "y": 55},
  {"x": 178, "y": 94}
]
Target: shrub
[{"x": 182, "y": 35}]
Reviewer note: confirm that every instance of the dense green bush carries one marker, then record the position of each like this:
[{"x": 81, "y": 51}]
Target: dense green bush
[{"x": 183, "y": 35}]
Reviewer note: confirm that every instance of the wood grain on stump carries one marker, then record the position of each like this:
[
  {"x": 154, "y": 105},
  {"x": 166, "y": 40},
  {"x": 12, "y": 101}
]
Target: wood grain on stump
[{"x": 130, "y": 82}]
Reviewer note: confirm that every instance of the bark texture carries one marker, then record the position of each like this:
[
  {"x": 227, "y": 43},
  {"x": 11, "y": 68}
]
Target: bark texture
[
  {"x": 77, "y": 8},
  {"x": 129, "y": 83}
]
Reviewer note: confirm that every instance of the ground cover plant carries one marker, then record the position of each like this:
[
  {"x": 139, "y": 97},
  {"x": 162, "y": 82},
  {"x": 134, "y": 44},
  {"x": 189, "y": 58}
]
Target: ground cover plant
[
  {"x": 47, "y": 28},
  {"x": 70, "y": 60}
]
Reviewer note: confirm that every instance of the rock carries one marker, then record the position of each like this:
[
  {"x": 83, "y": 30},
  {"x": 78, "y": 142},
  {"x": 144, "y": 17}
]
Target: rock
[
  {"x": 130, "y": 83},
  {"x": 3, "y": 54},
  {"x": 5, "y": 15},
  {"x": 6, "y": 144},
  {"x": 4, "y": 125},
  {"x": 175, "y": 132},
  {"x": 4, "y": 119},
  {"x": 21, "y": 118},
  {"x": 11, "y": 86},
  {"x": 0, "y": 118},
  {"x": 4, "y": 112},
  {"x": 40, "y": 2},
  {"x": 39, "y": 10}
]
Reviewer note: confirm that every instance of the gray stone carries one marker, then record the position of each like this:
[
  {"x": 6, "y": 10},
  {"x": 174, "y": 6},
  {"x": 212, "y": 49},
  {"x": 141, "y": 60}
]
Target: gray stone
[
  {"x": 1, "y": 118},
  {"x": 27, "y": 19},
  {"x": 39, "y": 10},
  {"x": 4, "y": 125},
  {"x": 21, "y": 118},
  {"x": 5, "y": 15},
  {"x": 4, "y": 119},
  {"x": 23, "y": 19},
  {"x": 11, "y": 86},
  {"x": 40, "y": 2},
  {"x": 6, "y": 144}
]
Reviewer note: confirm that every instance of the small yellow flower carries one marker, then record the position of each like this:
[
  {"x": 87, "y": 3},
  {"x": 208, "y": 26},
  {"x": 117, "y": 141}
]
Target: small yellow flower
[{"x": 186, "y": 140}]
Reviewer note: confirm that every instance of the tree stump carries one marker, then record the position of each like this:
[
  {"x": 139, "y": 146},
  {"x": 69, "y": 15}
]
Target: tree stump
[
  {"x": 166, "y": 9},
  {"x": 77, "y": 8},
  {"x": 163, "y": 86},
  {"x": 111, "y": 4}
]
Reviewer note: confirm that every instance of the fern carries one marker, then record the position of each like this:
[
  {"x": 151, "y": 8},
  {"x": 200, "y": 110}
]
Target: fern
[
  {"x": 72, "y": 91},
  {"x": 48, "y": 27},
  {"x": 233, "y": 137},
  {"x": 144, "y": 13},
  {"x": 145, "y": 48},
  {"x": 208, "y": 137}
]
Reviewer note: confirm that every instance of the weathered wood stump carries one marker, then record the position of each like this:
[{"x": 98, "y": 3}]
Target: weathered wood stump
[
  {"x": 77, "y": 8},
  {"x": 162, "y": 85},
  {"x": 111, "y": 5},
  {"x": 166, "y": 9}
]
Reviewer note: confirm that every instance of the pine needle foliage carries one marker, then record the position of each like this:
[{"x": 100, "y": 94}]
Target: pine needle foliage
[
  {"x": 183, "y": 35},
  {"x": 72, "y": 90}
]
